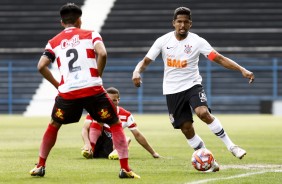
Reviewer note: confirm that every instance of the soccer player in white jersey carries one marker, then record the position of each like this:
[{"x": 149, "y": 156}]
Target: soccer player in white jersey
[
  {"x": 97, "y": 136},
  {"x": 182, "y": 81},
  {"x": 81, "y": 58}
]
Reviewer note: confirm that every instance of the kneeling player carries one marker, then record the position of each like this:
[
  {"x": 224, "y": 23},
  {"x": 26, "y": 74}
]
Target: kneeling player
[{"x": 93, "y": 131}]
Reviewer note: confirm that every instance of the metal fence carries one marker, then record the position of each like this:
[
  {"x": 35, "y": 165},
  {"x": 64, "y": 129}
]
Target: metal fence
[{"x": 267, "y": 86}]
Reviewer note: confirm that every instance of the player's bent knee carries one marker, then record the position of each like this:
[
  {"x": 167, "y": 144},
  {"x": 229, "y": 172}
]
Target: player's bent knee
[{"x": 204, "y": 115}]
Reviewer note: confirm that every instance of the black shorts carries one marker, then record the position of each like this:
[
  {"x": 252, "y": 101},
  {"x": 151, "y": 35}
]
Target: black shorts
[
  {"x": 100, "y": 107},
  {"x": 104, "y": 145},
  {"x": 179, "y": 104}
]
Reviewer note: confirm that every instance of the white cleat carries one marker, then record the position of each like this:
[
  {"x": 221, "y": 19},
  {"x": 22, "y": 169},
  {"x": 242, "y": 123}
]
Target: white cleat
[{"x": 237, "y": 151}]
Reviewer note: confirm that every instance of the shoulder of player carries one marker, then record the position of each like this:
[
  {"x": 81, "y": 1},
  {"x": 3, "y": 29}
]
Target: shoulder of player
[
  {"x": 74, "y": 32},
  {"x": 87, "y": 31},
  {"x": 194, "y": 35},
  {"x": 123, "y": 111},
  {"x": 162, "y": 40},
  {"x": 63, "y": 37},
  {"x": 166, "y": 36}
]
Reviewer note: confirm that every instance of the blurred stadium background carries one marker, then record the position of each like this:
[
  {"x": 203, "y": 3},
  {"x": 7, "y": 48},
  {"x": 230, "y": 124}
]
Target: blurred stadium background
[{"x": 248, "y": 31}]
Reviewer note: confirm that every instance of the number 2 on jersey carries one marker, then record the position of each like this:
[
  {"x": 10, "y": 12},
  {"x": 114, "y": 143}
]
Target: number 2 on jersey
[{"x": 74, "y": 54}]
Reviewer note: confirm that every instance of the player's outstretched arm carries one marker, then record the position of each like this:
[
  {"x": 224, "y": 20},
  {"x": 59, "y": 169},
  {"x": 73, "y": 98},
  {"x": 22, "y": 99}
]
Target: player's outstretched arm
[
  {"x": 143, "y": 142},
  {"x": 85, "y": 136},
  {"x": 140, "y": 67},
  {"x": 232, "y": 65}
]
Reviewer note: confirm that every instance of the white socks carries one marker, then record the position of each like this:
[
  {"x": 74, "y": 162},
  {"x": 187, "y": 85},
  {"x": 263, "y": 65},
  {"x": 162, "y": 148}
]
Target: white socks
[
  {"x": 218, "y": 130},
  {"x": 196, "y": 142}
]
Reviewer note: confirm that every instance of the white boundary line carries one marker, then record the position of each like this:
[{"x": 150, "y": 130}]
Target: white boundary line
[{"x": 240, "y": 175}]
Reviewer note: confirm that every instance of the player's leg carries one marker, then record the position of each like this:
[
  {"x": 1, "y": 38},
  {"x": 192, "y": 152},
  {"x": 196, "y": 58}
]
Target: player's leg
[
  {"x": 99, "y": 148},
  {"x": 95, "y": 132},
  {"x": 193, "y": 139},
  {"x": 103, "y": 110},
  {"x": 199, "y": 104},
  {"x": 64, "y": 112},
  {"x": 181, "y": 117},
  {"x": 120, "y": 144},
  {"x": 48, "y": 141},
  {"x": 217, "y": 128},
  {"x": 114, "y": 154}
]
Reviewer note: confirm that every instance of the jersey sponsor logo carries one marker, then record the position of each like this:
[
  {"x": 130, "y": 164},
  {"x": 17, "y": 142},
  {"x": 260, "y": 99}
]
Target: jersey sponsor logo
[
  {"x": 104, "y": 114},
  {"x": 74, "y": 41},
  {"x": 188, "y": 49},
  {"x": 203, "y": 96},
  {"x": 176, "y": 63},
  {"x": 59, "y": 113}
]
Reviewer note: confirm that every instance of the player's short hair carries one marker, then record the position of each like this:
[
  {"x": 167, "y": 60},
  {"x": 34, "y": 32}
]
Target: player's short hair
[
  {"x": 70, "y": 12},
  {"x": 182, "y": 11},
  {"x": 112, "y": 90}
]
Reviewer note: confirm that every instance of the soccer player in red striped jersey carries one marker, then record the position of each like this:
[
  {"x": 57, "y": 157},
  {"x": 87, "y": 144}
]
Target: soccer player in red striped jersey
[
  {"x": 102, "y": 147},
  {"x": 81, "y": 58},
  {"x": 182, "y": 80}
]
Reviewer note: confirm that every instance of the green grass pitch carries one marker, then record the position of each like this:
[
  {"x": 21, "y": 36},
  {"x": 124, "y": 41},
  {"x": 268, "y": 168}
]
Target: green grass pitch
[{"x": 260, "y": 135}]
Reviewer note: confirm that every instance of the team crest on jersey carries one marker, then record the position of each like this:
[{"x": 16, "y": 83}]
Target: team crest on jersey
[
  {"x": 59, "y": 113},
  {"x": 203, "y": 96},
  {"x": 171, "y": 118},
  {"x": 188, "y": 49},
  {"x": 104, "y": 114},
  {"x": 74, "y": 41}
]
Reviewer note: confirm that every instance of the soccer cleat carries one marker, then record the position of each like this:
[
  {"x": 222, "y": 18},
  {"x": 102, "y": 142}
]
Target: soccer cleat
[
  {"x": 214, "y": 168},
  {"x": 237, "y": 151},
  {"x": 37, "y": 171},
  {"x": 124, "y": 174},
  {"x": 87, "y": 154},
  {"x": 113, "y": 155}
]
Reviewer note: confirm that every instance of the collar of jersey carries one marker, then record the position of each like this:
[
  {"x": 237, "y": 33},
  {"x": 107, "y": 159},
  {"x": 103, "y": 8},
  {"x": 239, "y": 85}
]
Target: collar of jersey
[{"x": 70, "y": 28}]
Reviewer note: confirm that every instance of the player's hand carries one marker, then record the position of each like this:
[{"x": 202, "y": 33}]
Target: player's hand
[
  {"x": 87, "y": 147},
  {"x": 156, "y": 155},
  {"x": 136, "y": 79},
  {"x": 86, "y": 152},
  {"x": 248, "y": 74}
]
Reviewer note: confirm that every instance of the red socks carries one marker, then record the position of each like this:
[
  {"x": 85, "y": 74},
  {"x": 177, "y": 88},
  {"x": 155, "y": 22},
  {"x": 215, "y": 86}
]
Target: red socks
[
  {"x": 48, "y": 141},
  {"x": 120, "y": 144},
  {"x": 94, "y": 133}
]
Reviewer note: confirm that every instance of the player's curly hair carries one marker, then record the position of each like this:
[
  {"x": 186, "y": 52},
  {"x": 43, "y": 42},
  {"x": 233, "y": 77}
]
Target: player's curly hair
[
  {"x": 182, "y": 11},
  {"x": 70, "y": 12}
]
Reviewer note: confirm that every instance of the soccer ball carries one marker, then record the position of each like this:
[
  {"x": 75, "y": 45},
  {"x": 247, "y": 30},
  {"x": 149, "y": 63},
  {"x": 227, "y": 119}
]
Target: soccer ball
[{"x": 202, "y": 159}]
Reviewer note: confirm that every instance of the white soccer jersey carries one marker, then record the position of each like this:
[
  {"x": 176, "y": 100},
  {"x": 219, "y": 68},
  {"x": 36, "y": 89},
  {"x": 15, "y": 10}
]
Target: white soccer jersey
[
  {"x": 73, "y": 50},
  {"x": 181, "y": 58}
]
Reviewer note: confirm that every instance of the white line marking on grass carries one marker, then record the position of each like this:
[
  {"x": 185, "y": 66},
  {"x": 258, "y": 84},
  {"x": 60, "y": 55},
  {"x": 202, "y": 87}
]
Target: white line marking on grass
[
  {"x": 251, "y": 166},
  {"x": 169, "y": 158},
  {"x": 232, "y": 177},
  {"x": 242, "y": 175}
]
